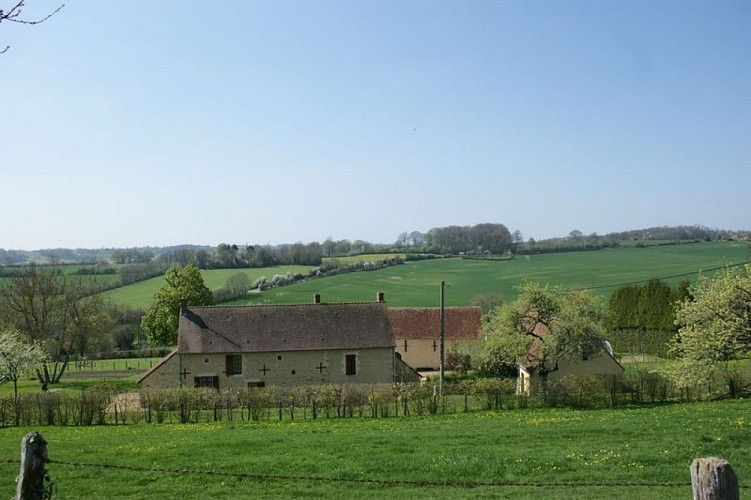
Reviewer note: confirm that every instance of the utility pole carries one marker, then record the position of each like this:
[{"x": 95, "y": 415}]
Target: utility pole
[{"x": 443, "y": 344}]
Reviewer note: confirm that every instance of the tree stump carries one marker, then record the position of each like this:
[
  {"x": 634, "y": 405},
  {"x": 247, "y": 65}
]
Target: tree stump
[{"x": 713, "y": 479}]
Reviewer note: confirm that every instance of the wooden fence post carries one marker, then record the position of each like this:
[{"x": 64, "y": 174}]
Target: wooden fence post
[
  {"x": 713, "y": 479},
  {"x": 33, "y": 474}
]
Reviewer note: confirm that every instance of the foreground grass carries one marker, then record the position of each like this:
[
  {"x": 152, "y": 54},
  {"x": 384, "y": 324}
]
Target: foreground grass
[{"x": 642, "y": 445}]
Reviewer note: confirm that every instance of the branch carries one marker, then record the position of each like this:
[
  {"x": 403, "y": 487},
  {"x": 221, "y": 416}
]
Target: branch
[
  {"x": 12, "y": 16},
  {"x": 15, "y": 11},
  {"x": 12, "y": 13}
]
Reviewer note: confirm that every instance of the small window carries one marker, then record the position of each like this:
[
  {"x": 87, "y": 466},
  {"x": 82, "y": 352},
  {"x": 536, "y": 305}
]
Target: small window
[
  {"x": 256, "y": 384},
  {"x": 293, "y": 372},
  {"x": 350, "y": 364},
  {"x": 209, "y": 381},
  {"x": 234, "y": 364},
  {"x": 206, "y": 360},
  {"x": 279, "y": 357}
]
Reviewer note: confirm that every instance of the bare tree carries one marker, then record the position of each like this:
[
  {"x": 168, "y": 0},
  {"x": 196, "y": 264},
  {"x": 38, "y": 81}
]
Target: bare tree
[
  {"x": 13, "y": 15},
  {"x": 62, "y": 312}
]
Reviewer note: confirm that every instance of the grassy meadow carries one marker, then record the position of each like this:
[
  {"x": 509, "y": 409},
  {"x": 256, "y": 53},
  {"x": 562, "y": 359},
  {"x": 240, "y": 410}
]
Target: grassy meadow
[
  {"x": 120, "y": 374},
  {"x": 71, "y": 271},
  {"x": 140, "y": 295},
  {"x": 525, "y": 453},
  {"x": 370, "y": 257},
  {"x": 416, "y": 284}
]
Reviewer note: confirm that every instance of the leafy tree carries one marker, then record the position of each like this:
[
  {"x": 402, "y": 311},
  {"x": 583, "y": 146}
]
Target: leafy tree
[
  {"x": 238, "y": 284},
  {"x": 18, "y": 355},
  {"x": 561, "y": 323},
  {"x": 655, "y": 309},
  {"x": 328, "y": 247},
  {"x": 226, "y": 256},
  {"x": 125, "y": 327},
  {"x": 263, "y": 256},
  {"x": 715, "y": 323},
  {"x": 622, "y": 307},
  {"x": 493, "y": 238},
  {"x": 641, "y": 319},
  {"x": 416, "y": 238},
  {"x": 64, "y": 313},
  {"x": 162, "y": 316},
  {"x": 402, "y": 240},
  {"x": 235, "y": 286}
]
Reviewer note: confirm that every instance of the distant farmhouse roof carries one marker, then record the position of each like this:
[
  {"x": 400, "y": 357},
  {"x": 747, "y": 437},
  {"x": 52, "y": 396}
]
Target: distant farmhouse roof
[
  {"x": 461, "y": 323},
  {"x": 531, "y": 361},
  {"x": 284, "y": 328}
]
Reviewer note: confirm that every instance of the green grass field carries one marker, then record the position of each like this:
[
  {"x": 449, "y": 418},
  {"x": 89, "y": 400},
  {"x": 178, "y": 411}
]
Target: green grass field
[
  {"x": 366, "y": 257},
  {"x": 533, "y": 453},
  {"x": 70, "y": 270},
  {"x": 121, "y": 374},
  {"x": 417, "y": 284},
  {"x": 140, "y": 295}
]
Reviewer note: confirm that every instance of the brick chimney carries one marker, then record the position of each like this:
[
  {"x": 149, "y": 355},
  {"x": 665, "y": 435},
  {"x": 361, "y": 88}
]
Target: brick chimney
[
  {"x": 183, "y": 306},
  {"x": 317, "y": 298}
]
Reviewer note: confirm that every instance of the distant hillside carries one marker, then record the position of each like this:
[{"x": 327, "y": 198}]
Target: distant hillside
[
  {"x": 480, "y": 239},
  {"x": 86, "y": 255},
  {"x": 677, "y": 233},
  {"x": 416, "y": 284}
]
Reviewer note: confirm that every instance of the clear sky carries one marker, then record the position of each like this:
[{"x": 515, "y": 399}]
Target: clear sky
[{"x": 157, "y": 123}]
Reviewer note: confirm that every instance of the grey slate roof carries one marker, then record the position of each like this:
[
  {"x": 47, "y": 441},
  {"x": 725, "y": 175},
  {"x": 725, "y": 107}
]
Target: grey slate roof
[{"x": 284, "y": 328}]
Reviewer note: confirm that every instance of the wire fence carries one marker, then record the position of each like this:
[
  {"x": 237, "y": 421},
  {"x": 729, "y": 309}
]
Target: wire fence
[{"x": 392, "y": 482}]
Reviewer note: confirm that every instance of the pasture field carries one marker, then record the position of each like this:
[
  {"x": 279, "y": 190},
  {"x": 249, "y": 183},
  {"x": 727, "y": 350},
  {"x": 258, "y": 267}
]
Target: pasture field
[
  {"x": 525, "y": 453},
  {"x": 139, "y": 295},
  {"x": 70, "y": 270},
  {"x": 416, "y": 284},
  {"x": 121, "y": 374},
  {"x": 365, "y": 257}
]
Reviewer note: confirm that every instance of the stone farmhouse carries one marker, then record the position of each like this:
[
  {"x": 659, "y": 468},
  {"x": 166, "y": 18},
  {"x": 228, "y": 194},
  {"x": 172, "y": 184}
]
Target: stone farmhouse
[
  {"x": 256, "y": 346},
  {"x": 417, "y": 332}
]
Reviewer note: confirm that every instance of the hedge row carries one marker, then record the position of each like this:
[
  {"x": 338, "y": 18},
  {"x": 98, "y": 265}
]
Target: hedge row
[{"x": 100, "y": 405}]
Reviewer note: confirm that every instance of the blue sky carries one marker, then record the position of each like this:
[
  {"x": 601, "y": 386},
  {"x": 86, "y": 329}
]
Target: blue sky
[{"x": 158, "y": 123}]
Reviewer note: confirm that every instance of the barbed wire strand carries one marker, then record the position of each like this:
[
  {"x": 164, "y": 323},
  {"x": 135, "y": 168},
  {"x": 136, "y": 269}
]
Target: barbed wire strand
[{"x": 399, "y": 482}]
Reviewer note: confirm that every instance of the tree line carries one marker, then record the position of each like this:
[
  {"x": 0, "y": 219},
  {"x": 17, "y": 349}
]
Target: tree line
[{"x": 486, "y": 238}]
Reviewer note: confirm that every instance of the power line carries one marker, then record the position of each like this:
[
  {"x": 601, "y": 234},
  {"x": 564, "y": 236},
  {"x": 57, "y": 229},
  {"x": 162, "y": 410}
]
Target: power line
[{"x": 683, "y": 275}]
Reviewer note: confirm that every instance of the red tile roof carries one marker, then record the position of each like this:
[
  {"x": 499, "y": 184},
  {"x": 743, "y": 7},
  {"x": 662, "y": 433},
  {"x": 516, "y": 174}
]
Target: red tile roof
[{"x": 461, "y": 323}]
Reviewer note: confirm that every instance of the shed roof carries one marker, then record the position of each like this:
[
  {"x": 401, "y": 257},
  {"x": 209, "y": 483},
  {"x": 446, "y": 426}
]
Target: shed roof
[
  {"x": 461, "y": 323},
  {"x": 284, "y": 328}
]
